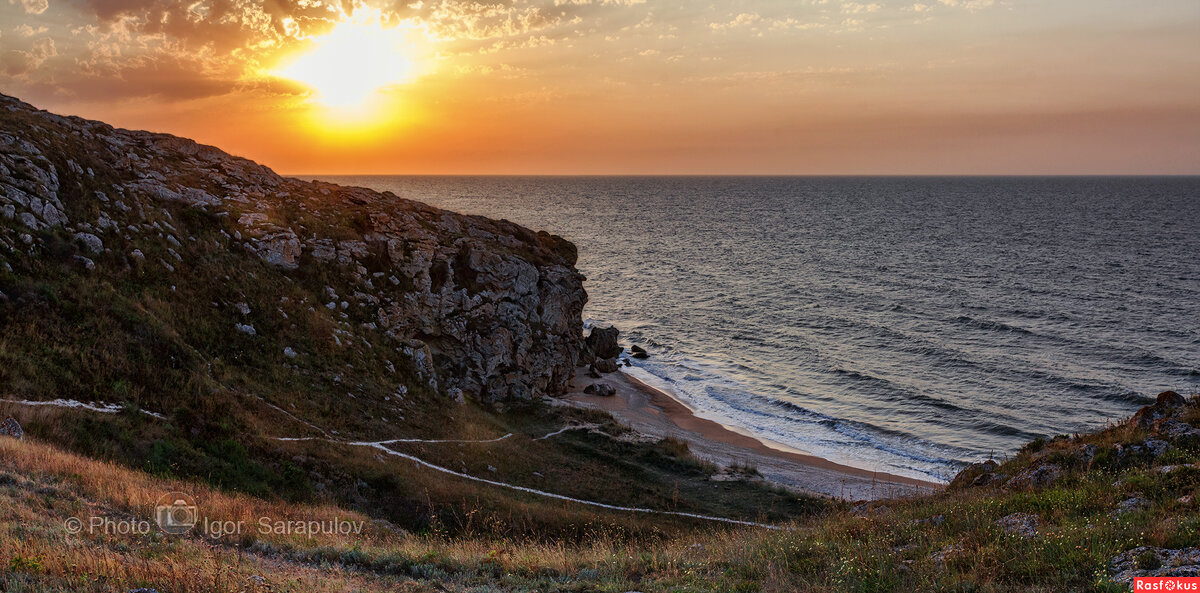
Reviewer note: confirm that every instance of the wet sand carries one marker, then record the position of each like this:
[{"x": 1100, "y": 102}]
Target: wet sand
[{"x": 657, "y": 414}]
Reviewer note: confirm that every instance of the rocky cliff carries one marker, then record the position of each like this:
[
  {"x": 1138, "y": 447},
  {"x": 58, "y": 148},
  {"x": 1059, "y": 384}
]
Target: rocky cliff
[{"x": 484, "y": 309}]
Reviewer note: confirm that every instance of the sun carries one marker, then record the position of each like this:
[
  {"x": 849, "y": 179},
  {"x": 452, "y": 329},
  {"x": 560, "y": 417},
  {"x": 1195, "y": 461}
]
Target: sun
[{"x": 352, "y": 63}]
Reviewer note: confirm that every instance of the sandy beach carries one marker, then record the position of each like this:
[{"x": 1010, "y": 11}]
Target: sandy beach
[{"x": 656, "y": 413}]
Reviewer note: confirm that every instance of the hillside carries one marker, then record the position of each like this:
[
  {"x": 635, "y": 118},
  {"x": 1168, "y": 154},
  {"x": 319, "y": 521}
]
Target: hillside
[
  {"x": 193, "y": 315},
  {"x": 1083, "y": 513}
]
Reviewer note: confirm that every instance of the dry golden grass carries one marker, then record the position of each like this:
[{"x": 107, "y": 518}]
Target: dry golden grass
[
  {"x": 41, "y": 486},
  {"x": 44, "y": 487},
  {"x": 138, "y": 493},
  {"x": 58, "y": 486}
]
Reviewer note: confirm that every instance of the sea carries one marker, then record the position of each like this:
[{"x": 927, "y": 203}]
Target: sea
[{"x": 908, "y": 325}]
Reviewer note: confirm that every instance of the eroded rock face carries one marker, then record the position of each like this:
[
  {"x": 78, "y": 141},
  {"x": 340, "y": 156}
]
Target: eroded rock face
[{"x": 488, "y": 309}]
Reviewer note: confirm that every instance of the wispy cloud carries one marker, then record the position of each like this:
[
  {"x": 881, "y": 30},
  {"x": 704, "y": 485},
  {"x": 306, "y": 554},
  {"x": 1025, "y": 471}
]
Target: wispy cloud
[
  {"x": 573, "y": 71},
  {"x": 32, "y": 6}
]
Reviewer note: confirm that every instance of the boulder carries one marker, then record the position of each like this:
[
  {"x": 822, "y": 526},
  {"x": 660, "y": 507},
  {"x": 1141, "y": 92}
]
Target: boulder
[
  {"x": 934, "y": 521},
  {"x": 947, "y": 552},
  {"x": 972, "y": 473},
  {"x": 12, "y": 428},
  {"x": 606, "y": 365},
  {"x": 1151, "y": 447},
  {"x": 1156, "y": 447},
  {"x": 91, "y": 242},
  {"x": 602, "y": 343},
  {"x": 1130, "y": 505},
  {"x": 1088, "y": 453},
  {"x": 638, "y": 352},
  {"x": 1034, "y": 478},
  {"x": 84, "y": 262},
  {"x": 1174, "y": 429},
  {"x": 280, "y": 249},
  {"x": 986, "y": 479},
  {"x": 1168, "y": 402},
  {"x": 1146, "y": 561},
  {"x": 1019, "y": 524},
  {"x": 600, "y": 389}
]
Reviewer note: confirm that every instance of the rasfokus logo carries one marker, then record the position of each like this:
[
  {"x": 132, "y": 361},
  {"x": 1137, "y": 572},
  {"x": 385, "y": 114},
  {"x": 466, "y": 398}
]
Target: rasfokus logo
[
  {"x": 176, "y": 513},
  {"x": 1169, "y": 584}
]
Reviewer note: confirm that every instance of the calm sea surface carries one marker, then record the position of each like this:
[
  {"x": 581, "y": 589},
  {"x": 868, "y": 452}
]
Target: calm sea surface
[{"x": 900, "y": 324}]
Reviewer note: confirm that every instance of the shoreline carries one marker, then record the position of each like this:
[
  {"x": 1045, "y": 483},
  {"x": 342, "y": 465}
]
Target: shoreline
[{"x": 657, "y": 413}]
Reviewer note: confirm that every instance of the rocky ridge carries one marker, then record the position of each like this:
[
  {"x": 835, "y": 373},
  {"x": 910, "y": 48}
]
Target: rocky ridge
[
  {"x": 1158, "y": 426},
  {"x": 483, "y": 308}
]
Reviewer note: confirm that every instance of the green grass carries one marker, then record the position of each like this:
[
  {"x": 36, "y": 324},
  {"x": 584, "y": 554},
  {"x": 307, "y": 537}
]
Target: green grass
[
  {"x": 165, "y": 342},
  {"x": 827, "y": 550}
]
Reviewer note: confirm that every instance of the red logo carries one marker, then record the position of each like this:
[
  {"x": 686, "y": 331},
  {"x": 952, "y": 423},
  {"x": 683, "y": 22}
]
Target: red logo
[{"x": 1167, "y": 584}]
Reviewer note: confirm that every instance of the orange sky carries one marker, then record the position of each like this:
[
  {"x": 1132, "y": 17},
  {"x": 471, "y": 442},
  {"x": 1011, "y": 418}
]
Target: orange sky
[{"x": 631, "y": 86}]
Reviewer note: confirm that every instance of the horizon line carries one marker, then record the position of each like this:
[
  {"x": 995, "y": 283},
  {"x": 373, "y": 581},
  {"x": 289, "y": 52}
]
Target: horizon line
[{"x": 765, "y": 175}]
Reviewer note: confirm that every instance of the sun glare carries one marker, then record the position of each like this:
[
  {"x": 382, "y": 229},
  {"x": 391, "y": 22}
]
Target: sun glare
[{"x": 348, "y": 66}]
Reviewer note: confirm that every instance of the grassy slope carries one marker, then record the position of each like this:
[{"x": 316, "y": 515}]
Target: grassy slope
[
  {"x": 163, "y": 341},
  {"x": 129, "y": 337},
  {"x": 892, "y": 548}
]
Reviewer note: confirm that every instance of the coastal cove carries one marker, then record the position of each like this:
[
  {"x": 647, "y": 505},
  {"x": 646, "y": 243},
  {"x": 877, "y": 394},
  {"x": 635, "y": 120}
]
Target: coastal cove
[
  {"x": 902, "y": 325},
  {"x": 657, "y": 414}
]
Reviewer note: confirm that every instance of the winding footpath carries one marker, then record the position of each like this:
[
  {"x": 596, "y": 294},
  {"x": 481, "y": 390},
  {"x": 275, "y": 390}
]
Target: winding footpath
[
  {"x": 100, "y": 407},
  {"x": 383, "y": 447}
]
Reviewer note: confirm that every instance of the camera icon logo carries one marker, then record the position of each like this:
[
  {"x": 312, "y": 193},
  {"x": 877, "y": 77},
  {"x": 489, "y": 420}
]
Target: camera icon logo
[{"x": 176, "y": 513}]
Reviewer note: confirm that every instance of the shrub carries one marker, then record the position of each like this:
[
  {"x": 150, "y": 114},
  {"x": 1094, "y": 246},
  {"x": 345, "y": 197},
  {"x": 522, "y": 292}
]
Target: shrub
[
  {"x": 1148, "y": 560},
  {"x": 31, "y": 564}
]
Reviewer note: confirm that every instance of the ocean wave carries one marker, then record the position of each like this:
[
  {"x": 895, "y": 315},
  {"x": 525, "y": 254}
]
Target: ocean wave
[
  {"x": 963, "y": 291},
  {"x": 992, "y": 325},
  {"x": 721, "y": 398}
]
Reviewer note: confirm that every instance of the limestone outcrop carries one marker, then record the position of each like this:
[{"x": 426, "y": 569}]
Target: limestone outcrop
[{"x": 485, "y": 308}]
